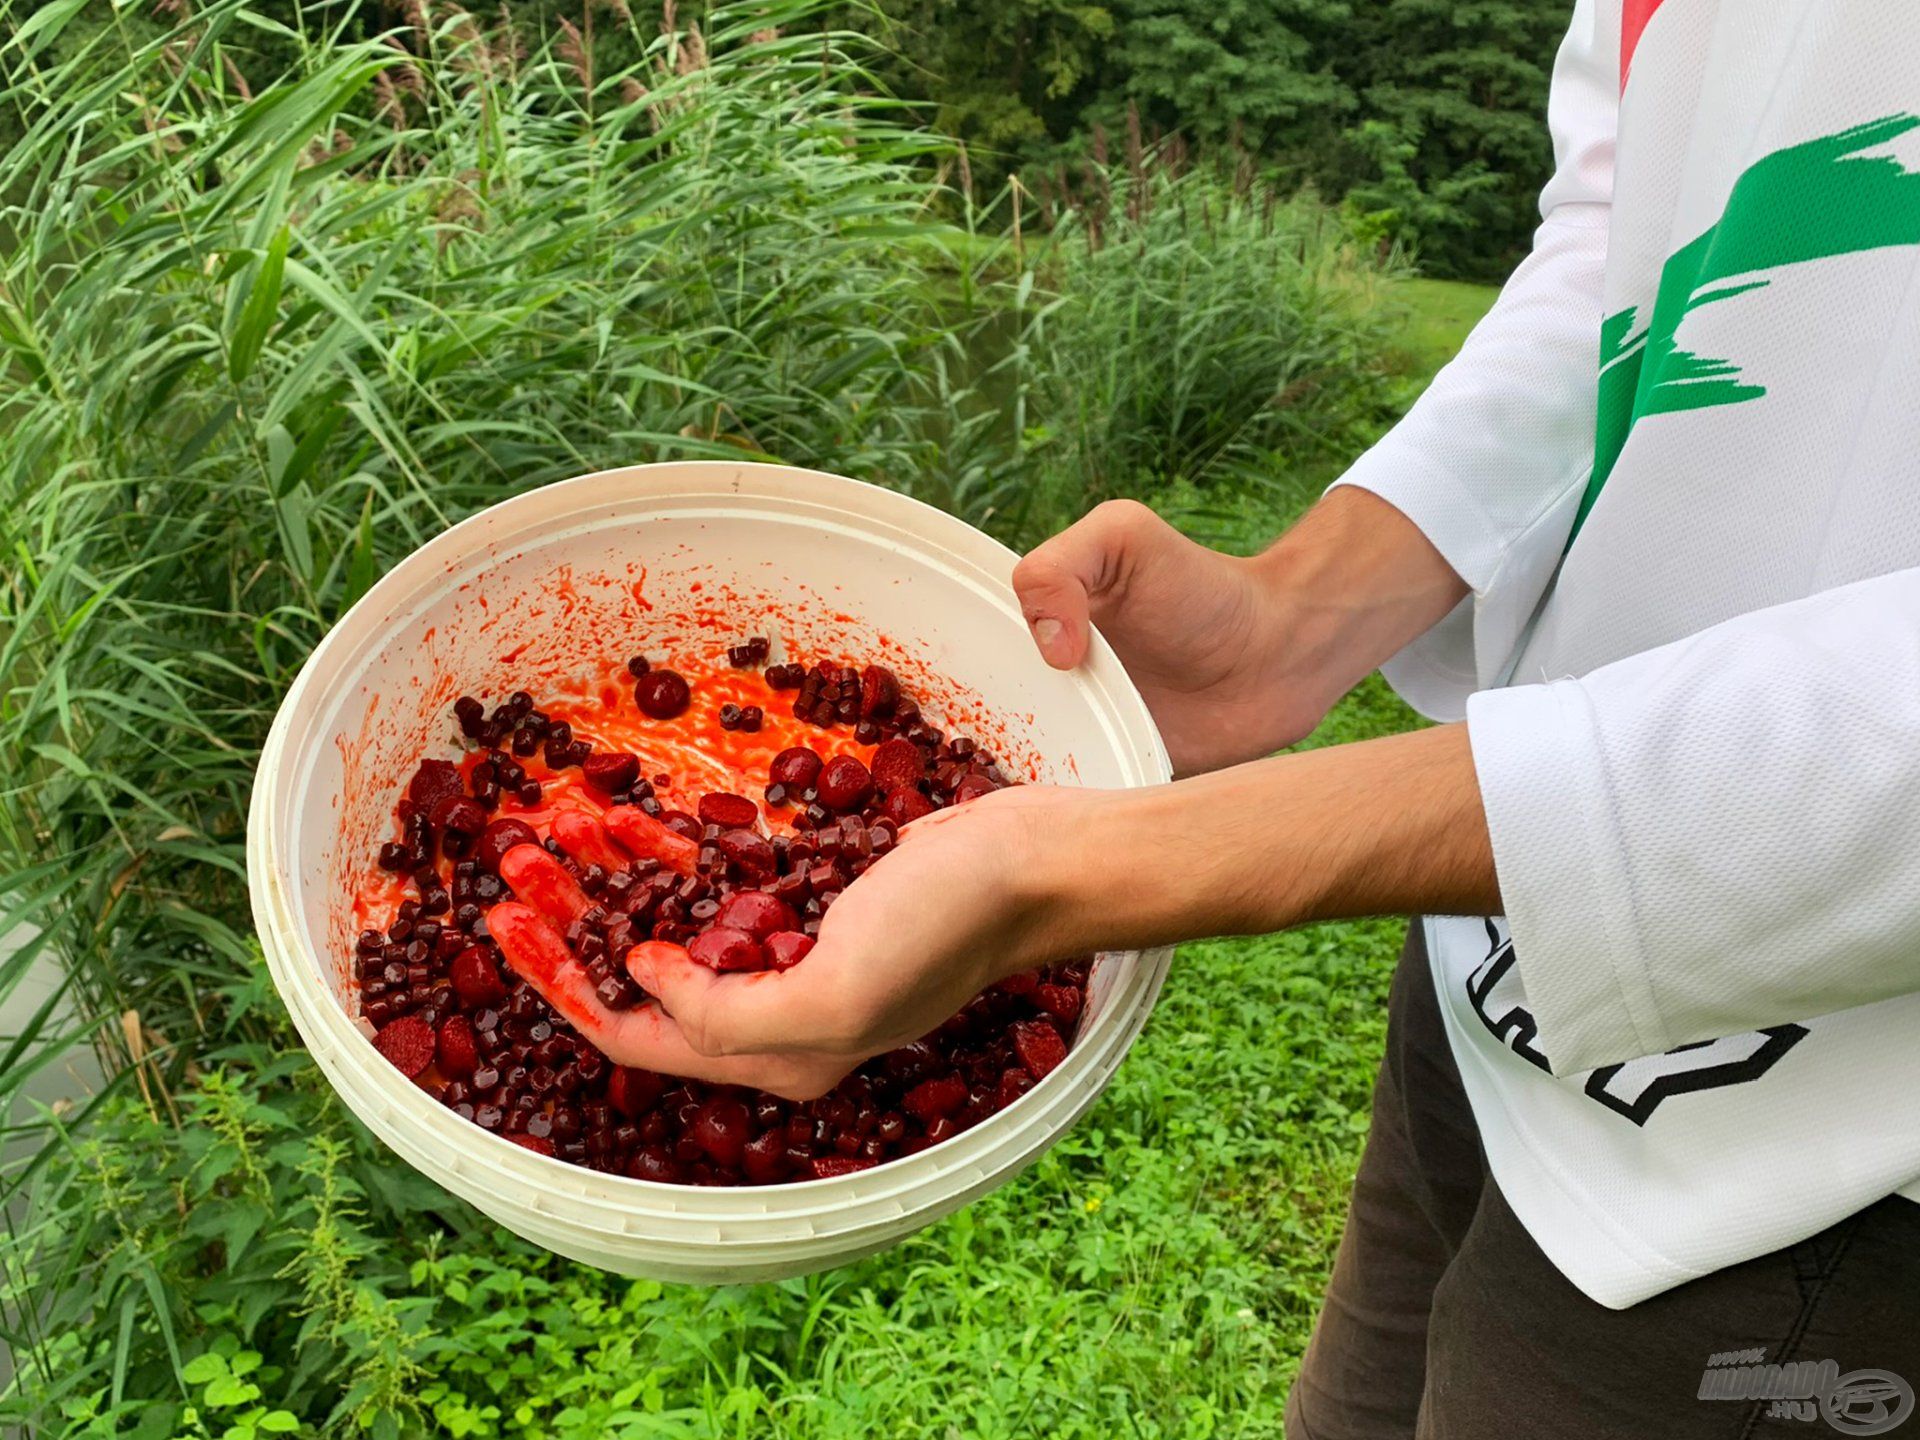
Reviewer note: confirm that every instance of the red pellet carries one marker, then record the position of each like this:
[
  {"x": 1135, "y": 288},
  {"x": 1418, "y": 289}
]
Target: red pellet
[
  {"x": 632, "y": 1092},
  {"x": 500, "y": 837},
  {"x": 932, "y": 1099},
  {"x": 476, "y": 978},
  {"x": 724, "y": 948},
  {"x": 457, "y": 1053},
  {"x": 972, "y": 788},
  {"x": 459, "y": 815},
  {"x": 434, "y": 781},
  {"x": 787, "y": 949},
  {"x": 795, "y": 768},
  {"x": 751, "y": 851},
  {"x": 756, "y": 913},
  {"x": 1060, "y": 1001},
  {"x": 903, "y": 807},
  {"x": 764, "y": 1158},
  {"x": 662, "y": 694},
  {"x": 611, "y": 772},
  {"x": 879, "y": 692},
  {"x": 722, "y": 1128},
  {"x": 896, "y": 763},
  {"x": 1039, "y": 1046},
  {"x": 844, "y": 783}
]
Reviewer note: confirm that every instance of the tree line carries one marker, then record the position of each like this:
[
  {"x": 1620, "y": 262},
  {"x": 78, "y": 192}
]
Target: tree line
[{"x": 1423, "y": 119}]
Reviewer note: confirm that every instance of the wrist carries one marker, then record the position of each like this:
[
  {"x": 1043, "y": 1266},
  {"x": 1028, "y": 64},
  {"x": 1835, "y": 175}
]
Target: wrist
[
  {"x": 1121, "y": 870},
  {"x": 1348, "y": 587}
]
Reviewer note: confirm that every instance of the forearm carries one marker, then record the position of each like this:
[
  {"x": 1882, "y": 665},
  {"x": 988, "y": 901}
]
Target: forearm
[{"x": 1391, "y": 826}]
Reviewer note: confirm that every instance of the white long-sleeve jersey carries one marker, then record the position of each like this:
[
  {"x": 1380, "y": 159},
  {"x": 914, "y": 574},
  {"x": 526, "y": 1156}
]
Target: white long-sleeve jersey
[{"x": 1679, "y": 466}]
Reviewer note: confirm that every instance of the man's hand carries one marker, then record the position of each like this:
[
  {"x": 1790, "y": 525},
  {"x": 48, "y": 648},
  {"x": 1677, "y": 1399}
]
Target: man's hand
[
  {"x": 1201, "y": 635},
  {"x": 1237, "y": 657},
  {"x": 959, "y": 904}
]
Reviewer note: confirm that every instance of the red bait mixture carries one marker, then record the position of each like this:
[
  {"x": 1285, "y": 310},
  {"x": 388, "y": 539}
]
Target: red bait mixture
[{"x": 724, "y": 811}]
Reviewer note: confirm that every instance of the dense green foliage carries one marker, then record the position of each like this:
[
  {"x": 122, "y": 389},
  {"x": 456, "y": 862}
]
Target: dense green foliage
[
  {"x": 263, "y": 330},
  {"x": 1449, "y": 148},
  {"x": 1428, "y": 117},
  {"x": 1200, "y": 326}
]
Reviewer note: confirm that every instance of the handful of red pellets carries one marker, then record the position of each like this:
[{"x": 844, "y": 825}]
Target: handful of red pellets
[{"x": 540, "y": 854}]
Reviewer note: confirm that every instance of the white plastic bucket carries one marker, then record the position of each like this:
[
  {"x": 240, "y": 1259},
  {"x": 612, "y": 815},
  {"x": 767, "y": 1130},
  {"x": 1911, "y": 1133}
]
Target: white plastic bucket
[{"x": 640, "y": 559}]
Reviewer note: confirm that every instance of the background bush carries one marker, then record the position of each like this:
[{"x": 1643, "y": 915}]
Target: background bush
[
  {"x": 282, "y": 293},
  {"x": 1204, "y": 327}
]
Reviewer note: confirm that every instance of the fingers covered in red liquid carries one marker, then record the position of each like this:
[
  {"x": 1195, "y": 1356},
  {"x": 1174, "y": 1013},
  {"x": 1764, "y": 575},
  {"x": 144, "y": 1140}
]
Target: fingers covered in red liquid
[
  {"x": 538, "y": 954},
  {"x": 543, "y": 882},
  {"x": 645, "y": 838},
  {"x": 722, "y": 1012},
  {"x": 587, "y": 840},
  {"x": 753, "y": 1006},
  {"x": 644, "y": 1037}
]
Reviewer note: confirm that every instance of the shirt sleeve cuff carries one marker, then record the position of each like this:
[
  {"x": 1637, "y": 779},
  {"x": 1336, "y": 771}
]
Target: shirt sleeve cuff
[{"x": 1540, "y": 759}]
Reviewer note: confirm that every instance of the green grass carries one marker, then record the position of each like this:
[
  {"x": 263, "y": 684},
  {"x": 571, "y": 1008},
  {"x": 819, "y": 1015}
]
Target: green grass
[{"x": 1439, "y": 315}]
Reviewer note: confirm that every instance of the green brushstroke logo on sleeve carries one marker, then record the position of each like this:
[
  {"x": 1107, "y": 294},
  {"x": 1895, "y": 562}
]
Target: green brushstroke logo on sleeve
[{"x": 1806, "y": 202}]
